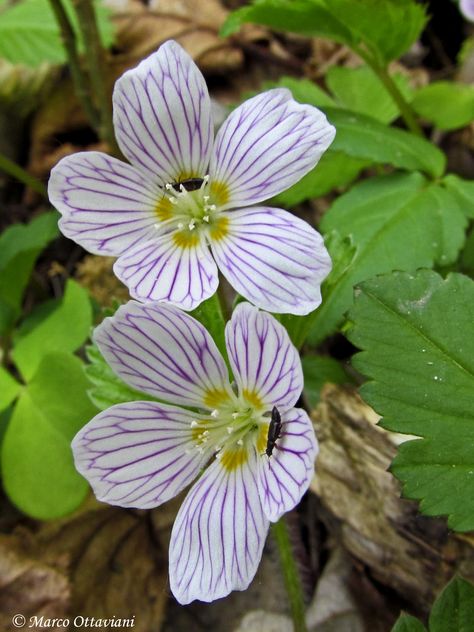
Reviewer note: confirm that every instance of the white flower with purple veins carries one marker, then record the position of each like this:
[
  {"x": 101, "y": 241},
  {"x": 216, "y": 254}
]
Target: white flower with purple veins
[
  {"x": 186, "y": 195},
  {"x": 140, "y": 454},
  {"x": 467, "y": 9}
]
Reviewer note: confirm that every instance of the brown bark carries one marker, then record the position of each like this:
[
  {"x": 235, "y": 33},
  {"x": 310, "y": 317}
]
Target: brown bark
[{"x": 410, "y": 553}]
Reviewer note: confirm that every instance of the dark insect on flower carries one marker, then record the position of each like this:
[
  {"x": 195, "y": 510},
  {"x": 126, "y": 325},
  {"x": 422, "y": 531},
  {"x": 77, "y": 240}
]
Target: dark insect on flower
[
  {"x": 274, "y": 431},
  {"x": 191, "y": 184}
]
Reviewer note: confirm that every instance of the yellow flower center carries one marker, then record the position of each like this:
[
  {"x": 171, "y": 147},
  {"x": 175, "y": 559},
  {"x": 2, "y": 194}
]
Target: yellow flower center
[
  {"x": 233, "y": 428},
  {"x": 191, "y": 207}
]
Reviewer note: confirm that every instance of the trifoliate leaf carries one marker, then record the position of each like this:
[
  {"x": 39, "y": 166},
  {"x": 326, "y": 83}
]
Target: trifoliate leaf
[
  {"x": 453, "y": 611},
  {"x": 318, "y": 371},
  {"x": 59, "y": 325},
  {"x": 416, "y": 333},
  {"x": 407, "y": 623},
  {"x": 37, "y": 464}
]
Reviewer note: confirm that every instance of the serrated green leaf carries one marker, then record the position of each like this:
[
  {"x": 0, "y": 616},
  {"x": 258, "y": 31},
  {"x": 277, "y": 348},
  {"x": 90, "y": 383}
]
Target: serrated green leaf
[
  {"x": 62, "y": 325},
  {"x": 360, "y": 90},
  {"x": 407, "y": 623},
  {"x": 416, "y": 333},
  {"x": 29, "y": 33},
  {"x": 397, "y": 222},
  {"x": 318, "y": 371},
  {"x": 449, "y": 105},
  {"x": 20, "y": 246},
  {"x": 37, "y": 465},
  {"x": 463, "y": 190},
  {"x": 9, "y": 388},
  {"x": 453, "y": 611},
  {"x": 387, "y": 28},
  {"x": 108, "y": 389},
  {"x": 364, "y": 137}
]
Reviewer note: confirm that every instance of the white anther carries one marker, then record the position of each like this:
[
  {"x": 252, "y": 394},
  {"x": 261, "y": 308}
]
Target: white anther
[
  {"x": 205, "y": 218},
  {"x": 235, "y": 415},
  {"x": 192, "y": 224},
  {"x": 180, "y": 226},
  {"x": 205, "y": 180},
  {"x": 215, "y": 413},
  {"x": 212, "y": 207},
  {"x": 172, "y": 200},
  {"x": 218, "y": 455},
  {"x": 240, "y": 442},
  {"x": 194, "y": 424},
  {"x": 182, "y": 189},
  {"x": 230, "y": 430},
  {"x": 206, "y": 198},
  {"x": 168, "y": 186}
]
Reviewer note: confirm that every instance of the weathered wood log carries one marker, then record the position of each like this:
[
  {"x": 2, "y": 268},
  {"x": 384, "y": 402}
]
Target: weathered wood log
[{"x": 410, "y": 553}]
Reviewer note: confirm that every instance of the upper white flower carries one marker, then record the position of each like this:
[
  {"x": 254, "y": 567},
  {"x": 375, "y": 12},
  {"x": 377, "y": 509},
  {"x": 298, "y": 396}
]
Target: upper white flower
[
  {"x": 467, "y": 9},
  {"x": 185, "y": 191}
]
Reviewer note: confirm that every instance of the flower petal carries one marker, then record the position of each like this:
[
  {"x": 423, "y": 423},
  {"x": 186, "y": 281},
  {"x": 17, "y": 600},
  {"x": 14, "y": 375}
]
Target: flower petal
[
  {"x": 107, "y": 206},
  {"x": 274, "y": 259},
  {"x": 262, "y": 357},
  {"x": 218, "y": 536},
  {"x": 163, "y": 269},
  {"x": 267, "y": 144},
  {"x": 162, "y": 116},
  {"x": 285, "y": 476},
  {"x": 138, "y": 454},
  {"x": 162, "y": 351}
]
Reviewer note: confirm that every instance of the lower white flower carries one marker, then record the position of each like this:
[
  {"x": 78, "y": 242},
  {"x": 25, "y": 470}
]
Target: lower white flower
[{"x": 140, "y": 454}]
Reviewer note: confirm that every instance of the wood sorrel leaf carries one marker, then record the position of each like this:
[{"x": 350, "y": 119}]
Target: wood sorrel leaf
[
  {"x": 416, "y": 333},
  {"x": 453, "y": 611},
  {"x": 37, "y": 465},
  {"x": 318, "y": 371},
  {"x": 55, "y": 326},
  {"x": 20, "y": 246},
  {"x": 397, "y": 222},
  {"x": 9, "y": 388},
  {"x": 387, "y": 29}
]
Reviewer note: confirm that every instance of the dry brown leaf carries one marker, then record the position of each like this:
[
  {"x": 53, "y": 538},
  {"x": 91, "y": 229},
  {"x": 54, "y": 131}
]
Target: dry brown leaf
[
  {"x": 28, "y": 586},
  {"x": 104, "y": 563},
  {"x": 96, "y": 275},
  {"x": 194, "y": 24}
]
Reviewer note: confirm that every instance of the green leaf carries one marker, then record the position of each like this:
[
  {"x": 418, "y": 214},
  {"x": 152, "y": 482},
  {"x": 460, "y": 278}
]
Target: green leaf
[
  {"x": 318, "y": 371},
  {"x": 108, "y": 389},
  {"x": 304, "y": 91},
  {"x": 463, "y": 190},
  {"x": 334, "y": 170},
  {"x": 209, "y": 314},
  {"x": 387, "y": 28},
  {"x": 453, "y": 611},
  {"x": 29, "y": 33},
  {"x": 449, "y": 105},
  {"x": 397, "y": 222},
  {"x": 20, "y": 246},
  {"x": 416, "y": 333},
  {"x": 360, "y": 90},
  {"x": 407, "y": 623},
  {"x": 364, "y": 137},
  {"x": 9, "y": 388},
  {"x": 37, "y": 465},
  {"x": 58, "y": 326}
]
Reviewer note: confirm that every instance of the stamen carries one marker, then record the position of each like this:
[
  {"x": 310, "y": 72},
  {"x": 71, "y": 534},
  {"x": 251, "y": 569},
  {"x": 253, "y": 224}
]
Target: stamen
[
  {"x": 205, "y": 218},
  {"x": 168, "y": 186},
  {"x": 215, "y": 413},
  {"x": 235, "y": 415},
  {"x": 180, "y": 226},
  {"x": 192, "y": 224},
  {"x": 194, "y": 424},
  {"x": 230, "y": 430}
]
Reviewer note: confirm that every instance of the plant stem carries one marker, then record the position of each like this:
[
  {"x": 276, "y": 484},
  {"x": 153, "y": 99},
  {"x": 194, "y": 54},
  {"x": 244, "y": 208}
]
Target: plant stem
[
  {"x": 290, "y": 574},
  {"x": 79, "y": 78},
  {"x": 17, "y": 172},
  {"x": 95, "y": 55},
  {"x": 407, "y": 112}
]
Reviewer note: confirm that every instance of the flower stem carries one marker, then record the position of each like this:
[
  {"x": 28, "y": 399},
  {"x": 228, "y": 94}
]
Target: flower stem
[
  {"x": 95, "y": 55},
  {"x": 290, "y": 574},
  {"x": 406, "y": 111},
  {"x": 79, "y": 78},
  {"x": 17, "y": 172}
]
